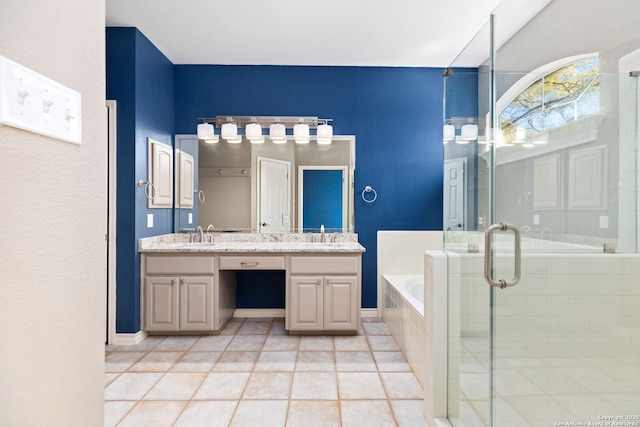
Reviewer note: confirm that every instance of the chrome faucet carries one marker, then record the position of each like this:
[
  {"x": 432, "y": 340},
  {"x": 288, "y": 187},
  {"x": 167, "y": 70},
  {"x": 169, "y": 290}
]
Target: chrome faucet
[
  {"x": 322, "y": 233},
  {"x": 201, "y": 231}
]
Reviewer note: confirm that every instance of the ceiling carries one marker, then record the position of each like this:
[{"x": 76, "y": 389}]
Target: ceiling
[{"x": 412, "y": 33}]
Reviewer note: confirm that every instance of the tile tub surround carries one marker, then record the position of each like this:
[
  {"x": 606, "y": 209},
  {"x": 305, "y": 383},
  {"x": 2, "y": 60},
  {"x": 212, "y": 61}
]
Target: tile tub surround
[
  {"x": 407, "y": 327},
  {"x": 255, "y": 375}
]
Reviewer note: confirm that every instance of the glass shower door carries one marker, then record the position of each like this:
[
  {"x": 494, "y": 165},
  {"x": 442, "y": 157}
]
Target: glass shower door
[
  {"x": 564, "y": 339},
  {"x": 555, "y": 158}
]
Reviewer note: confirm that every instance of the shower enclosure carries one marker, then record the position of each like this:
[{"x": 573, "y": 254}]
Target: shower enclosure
[{"x": 541, "y": 218}]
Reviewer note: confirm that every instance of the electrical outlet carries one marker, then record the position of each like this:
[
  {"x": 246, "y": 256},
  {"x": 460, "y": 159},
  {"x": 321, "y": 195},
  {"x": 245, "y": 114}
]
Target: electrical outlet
[
  {"x": 149, "y": 220},
  {"x": 190, "y": 218},
  {"x": 536, "y": 219},
  {"x": 35, "y": 103}
]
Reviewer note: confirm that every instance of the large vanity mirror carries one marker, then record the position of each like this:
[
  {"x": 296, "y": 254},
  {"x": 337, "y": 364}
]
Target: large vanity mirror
[{"x": 264, "y": 187}]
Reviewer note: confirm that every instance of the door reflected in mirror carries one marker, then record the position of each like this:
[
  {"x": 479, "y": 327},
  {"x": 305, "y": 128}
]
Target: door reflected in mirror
[
  {"x": 264, "y": 187},
  {"x": 323, "y": 193}
]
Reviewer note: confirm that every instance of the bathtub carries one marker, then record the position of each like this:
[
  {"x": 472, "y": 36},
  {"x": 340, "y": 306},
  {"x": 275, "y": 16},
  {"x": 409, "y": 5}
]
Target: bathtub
[{"x": 403, "y": 312}]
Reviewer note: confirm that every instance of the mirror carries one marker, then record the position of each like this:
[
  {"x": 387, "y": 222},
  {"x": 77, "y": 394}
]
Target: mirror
[{"x": 264, "y": 187}]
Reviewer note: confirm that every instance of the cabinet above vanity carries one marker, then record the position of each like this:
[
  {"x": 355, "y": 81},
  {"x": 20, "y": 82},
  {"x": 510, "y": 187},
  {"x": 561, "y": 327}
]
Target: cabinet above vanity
[{"x": 190, "y": 287}]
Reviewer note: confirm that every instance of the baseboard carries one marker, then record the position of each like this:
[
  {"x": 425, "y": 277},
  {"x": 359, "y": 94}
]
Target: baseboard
[
  {"x": 259, "y": 312},
  {"x": 279, "y": 312},
  {"x": 369, "y": 312},
  {"x": 129, "y": 339}
]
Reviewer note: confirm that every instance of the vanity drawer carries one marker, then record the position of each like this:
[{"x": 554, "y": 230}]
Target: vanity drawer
[
  {"x": 252, "y": 263},
  {"x": 171, "y": 265},
  {"x": 324, "y": 265}
]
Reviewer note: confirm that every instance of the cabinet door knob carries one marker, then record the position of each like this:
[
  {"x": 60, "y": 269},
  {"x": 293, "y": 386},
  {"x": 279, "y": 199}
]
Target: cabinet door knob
[
  {"x": 327, "y": 282},
  {"x": 173, "y": 281},
  {"x": 182, "y": 281}
]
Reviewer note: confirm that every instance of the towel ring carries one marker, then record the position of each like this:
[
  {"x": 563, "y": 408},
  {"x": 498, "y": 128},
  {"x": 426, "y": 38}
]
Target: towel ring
[
  {"x": 368, "y": 189},
  {"x": 149, "y": 189},
  {"x": 200, "y": 194}
]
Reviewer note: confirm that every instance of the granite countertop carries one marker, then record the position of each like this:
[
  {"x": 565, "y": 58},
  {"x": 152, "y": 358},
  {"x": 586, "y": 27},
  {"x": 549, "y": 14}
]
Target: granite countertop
[{"x": 239, "y": 243}]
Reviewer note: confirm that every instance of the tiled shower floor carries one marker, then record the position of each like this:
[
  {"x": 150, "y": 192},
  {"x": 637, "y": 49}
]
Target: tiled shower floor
[
  {"x": 254, "y": 374},
  {"x": 533, "y": 391}
]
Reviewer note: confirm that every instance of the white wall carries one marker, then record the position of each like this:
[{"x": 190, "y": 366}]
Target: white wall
[
  {"x": 52, "y": 226},
  {"x": 402, "y": 252}
]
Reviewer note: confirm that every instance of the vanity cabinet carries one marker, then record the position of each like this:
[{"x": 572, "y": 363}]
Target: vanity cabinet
[
  {"x": 187, "y": 290},
  {"x": 180, "y": 294},
  {"x": 179, "y": 303},
  {"x": 324, "y": 293}
]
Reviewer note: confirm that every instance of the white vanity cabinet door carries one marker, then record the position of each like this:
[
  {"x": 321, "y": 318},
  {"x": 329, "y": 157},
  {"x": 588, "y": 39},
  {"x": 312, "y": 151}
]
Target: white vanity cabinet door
[
  {"x": 161, "y": 303},
  {"x": 196, "y": 303},
  {"x": 341, "y": 303},
  {"x": 306, "y": 303},
  {"x": 185, "y": 179},
  {"x": 160, "y": 174}
]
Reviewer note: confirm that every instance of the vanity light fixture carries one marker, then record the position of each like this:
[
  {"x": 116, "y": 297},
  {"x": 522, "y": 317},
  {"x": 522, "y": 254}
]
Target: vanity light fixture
[
  {"x": 253, "y": 126},
  {"x": 324, "y": 134},
  {"x": 229, "y": 132},
  {"x": 468, "y": 133},
  {"x": 207, "y": 134},
  {"x": 278, "y": 133},
  {"x": 301, "y": 132},
  {"x": 253, "y": 132},
  {"x": 448, "y": 133}
]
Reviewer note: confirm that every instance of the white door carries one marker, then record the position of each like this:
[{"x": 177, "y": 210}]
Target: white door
[
  {"x": 111, "y": 221},
  {"x": 274, "y": 195},
  {"x": 454, "y": 188}
]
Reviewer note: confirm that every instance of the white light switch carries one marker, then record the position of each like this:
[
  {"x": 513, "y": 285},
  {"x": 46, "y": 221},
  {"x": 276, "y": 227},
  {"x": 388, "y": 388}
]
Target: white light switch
[
  {"x": 190, "y": 218},
  {"x": 149, "y": 220},
  {"x": 35, "y": 103},
  {"x": 536, "y": 219}
]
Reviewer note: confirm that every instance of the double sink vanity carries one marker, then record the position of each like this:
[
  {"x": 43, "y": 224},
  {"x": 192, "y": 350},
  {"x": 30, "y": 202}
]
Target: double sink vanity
[{"x": 190, "y": 287}]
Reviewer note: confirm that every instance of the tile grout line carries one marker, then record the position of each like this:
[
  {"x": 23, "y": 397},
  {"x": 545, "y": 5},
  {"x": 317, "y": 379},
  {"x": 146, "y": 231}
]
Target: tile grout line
[{"x": 386, "y": 393}]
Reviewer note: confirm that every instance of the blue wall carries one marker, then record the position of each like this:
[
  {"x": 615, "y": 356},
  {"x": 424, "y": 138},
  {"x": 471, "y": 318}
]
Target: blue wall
[
  {"x": 140, "y": 79},
  {"x": 395, "y": 114}
]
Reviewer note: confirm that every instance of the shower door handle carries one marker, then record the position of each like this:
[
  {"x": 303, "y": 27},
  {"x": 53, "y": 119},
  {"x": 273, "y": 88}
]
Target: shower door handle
[{"x": 488, "y": 256}]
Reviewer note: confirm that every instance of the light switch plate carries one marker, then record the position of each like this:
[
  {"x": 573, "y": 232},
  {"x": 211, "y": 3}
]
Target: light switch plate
[
  {"x": 35, "y": 103},
  {"x": 190, "y": 218},
  {"x": 149, "y": 220},
  {"x": 536, "y": 219}
]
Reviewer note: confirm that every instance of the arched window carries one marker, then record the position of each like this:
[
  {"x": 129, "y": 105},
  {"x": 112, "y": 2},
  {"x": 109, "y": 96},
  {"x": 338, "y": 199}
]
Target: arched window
[{"x": 571, "y": 91}]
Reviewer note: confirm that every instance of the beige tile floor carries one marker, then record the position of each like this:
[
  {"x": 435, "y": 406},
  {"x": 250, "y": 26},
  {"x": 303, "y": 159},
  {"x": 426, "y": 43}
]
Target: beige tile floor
[{"x": 254, "y": 374}]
